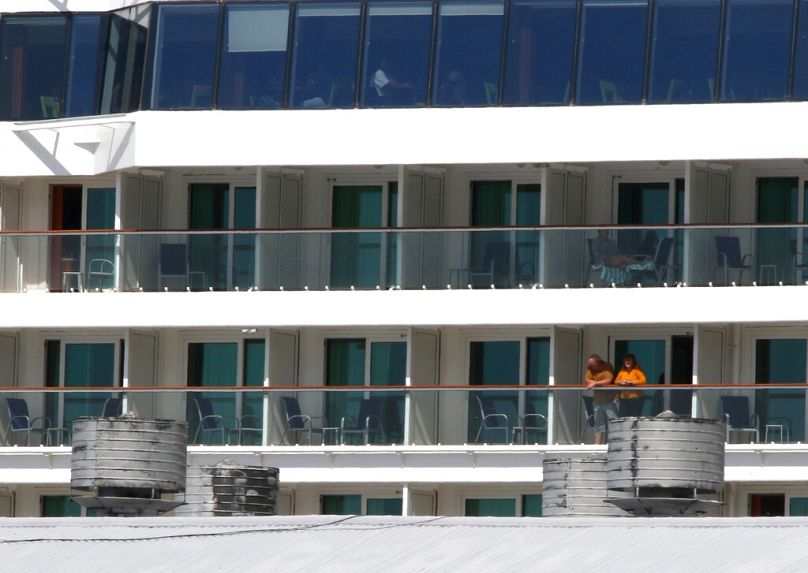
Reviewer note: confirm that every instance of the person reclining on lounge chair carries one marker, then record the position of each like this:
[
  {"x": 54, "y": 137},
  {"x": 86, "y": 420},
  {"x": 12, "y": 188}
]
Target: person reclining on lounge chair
[{"x": 616, "y": 267}]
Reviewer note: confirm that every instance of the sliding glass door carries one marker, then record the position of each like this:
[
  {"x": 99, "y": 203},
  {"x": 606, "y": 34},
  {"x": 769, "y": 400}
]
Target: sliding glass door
[
  {"x": 781, "y": 360},
  {"x": 364, "y": 259},
  {"x": 221, "y": 261}
]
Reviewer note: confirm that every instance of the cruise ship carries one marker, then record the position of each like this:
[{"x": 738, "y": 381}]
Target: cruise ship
[{"x": 361, "y": 240}]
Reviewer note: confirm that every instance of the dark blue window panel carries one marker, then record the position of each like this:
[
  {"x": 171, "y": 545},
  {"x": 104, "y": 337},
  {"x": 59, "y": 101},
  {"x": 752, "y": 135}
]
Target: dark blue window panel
[
  {"x": 185, "y": 56},
  {"x": 469, "y": 46},
  {"x": 541, "y": 44},
  {"x": 32, "y": 66},
  {"x": 398, "y": 40},
  {"x": 612, "y": 51},
  {"x": 684, "y": 51},
  {"x": 84, "y": 72},
  {"x": 325, "y": 55},
  {"x": 801, "y": 57},
  {"x": 757, "y": 50},
  {"x": 126, "y": 50},
  {"x": 253, "y": 59}
]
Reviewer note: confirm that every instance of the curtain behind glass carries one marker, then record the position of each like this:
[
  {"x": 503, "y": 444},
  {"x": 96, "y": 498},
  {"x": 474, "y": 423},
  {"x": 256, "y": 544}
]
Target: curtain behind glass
[
  {"x": 90, "y": 364},
  {"x": 777, "y": 203},
  {"x": 356, "y": 257},
  {"x": 345, "y": 366},
  {"x": 212, "y": 364},
  {"x": 493, "y": 363}
]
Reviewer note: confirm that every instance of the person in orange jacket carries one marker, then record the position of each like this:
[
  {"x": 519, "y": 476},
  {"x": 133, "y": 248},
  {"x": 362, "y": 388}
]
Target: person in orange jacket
[{"x": 630, "y": 375}]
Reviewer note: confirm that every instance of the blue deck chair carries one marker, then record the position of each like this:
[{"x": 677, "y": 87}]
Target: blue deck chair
[
  {"x": 20, "y": 421},
  {"x": 728, "y": 253},
  {"x": 296, "y": 423},
  {"x": 491, "y": 419},
  {"x": 737, "y": 416},
  {"x": 367, "y": 422},
  {"x": 112, "y": 408},
  {"x": 211, "y": 422},
  {"x": 589, "y": 422}
]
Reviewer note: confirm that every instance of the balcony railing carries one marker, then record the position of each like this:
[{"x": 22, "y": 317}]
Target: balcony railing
[
  {"x": 399, "y": 415},
  {"x": 361, "y": 259}
]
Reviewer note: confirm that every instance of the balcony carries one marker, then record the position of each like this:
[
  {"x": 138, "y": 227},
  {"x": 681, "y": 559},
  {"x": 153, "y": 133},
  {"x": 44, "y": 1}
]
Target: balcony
[
  {"x": 334, "y": 418},
  {"x": 381, "y": 259}
]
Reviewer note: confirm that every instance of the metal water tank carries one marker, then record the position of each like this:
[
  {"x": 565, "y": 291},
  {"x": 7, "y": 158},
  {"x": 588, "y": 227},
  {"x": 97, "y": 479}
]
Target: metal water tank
[
  {"x": 576, "y": 487},
  {"x": 127, "y": 463},
  {"x": 666, "y": 453},
  {"x": 228, "y": 489}
]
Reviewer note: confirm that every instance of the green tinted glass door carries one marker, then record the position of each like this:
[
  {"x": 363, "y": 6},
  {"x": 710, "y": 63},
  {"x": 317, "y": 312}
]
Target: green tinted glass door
[
  {"x": 87, "y": 364},
  {"x": 388, "y": 367},
  {"x": 356, "y": 257},
  {"x": 642, "y": 204},
  {"x": 243, "y": 271},
  {"x": 341, "y": 504},
  {"x": 209, "y": 210},
  {"x": 651, "y": 359},
  {"x": 538, "y": 374},
  {"x": 392, "y": 238},
  {"x": 212, "y": 364},
  {"x": 490, "y": 508},
  {"x": 531, "y": 505},
  {"x": 59, "y": 506},
  {"x": 345, "y": 366},
  {"x": 777, "y": 203},
  {"x": 490, "y": 207},
  {"x": 252, "y": 403},
  {"x": 781, "y": 360},
  {"x": 528, "y": 213},
  {"x": 99, "y": 254},
  {"x": 493, "y": 363},
  {"x": 384, "y": 506}
]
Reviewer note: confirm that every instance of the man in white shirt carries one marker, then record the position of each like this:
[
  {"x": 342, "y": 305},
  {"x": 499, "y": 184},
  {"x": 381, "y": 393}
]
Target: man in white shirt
[{"x": 385, "y": 84}]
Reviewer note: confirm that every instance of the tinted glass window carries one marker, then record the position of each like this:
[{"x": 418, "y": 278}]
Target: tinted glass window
[
  {"x": 541, "y": 41},
  {"x": 326, "y": 44},
  {"x": 612, "y": 51},
  {"x": 32, "y": 67},
  {"x": 398, "y": 40},
  {"x": 467, "y": 63},
  {"x": 801, "y": 57},
  {"x": 757, "y": 48},
  {"x": 185, "y": 57},
  {"x": 684, "y": 51},
  {"x": 253, "y": 63},
  {"x": 84, "y": 64},
  {"x": 126, "y": 48}
]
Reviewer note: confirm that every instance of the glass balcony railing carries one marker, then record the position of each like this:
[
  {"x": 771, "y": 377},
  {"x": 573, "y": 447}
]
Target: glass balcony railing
[
  {"x": 408, "y": 416},
  {"x": 367, "y": 259}
]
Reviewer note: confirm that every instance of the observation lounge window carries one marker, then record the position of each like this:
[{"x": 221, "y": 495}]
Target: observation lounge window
[
  {"x": 398, "y": 40},
  {"x": 684, "y": 51},
  {"x": 610, "y": 67},
  {"x": 541, "y": 44},
  {"x": 757, "y": 49},
  {"x": 253, "y": 58},
  {"x": 32, "y": 67},
  {"x": 325, "y": 55},
  {"x": 800, "y": 85},
  {"x": 184, "y": 57},
  {"x": 469, "y": 45},
  {"x": 86, "y": 49},
  {"x": 125, "y": 57}
]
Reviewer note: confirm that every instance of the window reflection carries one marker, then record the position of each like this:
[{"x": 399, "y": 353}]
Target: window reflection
[
  {"x": 126, "y": 51},
  {"x": 32, "y": 66},
  {"x": 467, "y": 64},
  {"x": 253, "y": 59},
  {"x": 684, "y": 51},
  {"x": 325, "y": 53},
  {"x": 397, "y": 46},
  {"x": 612, "y": 51},
  {"x": 541, "y": 42},
  {"x": 185, "y": 57},
  {"x": 757, "y": 47}
]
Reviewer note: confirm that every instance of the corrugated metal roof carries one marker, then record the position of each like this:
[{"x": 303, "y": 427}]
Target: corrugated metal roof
[{"x": 406, "y": 544}]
